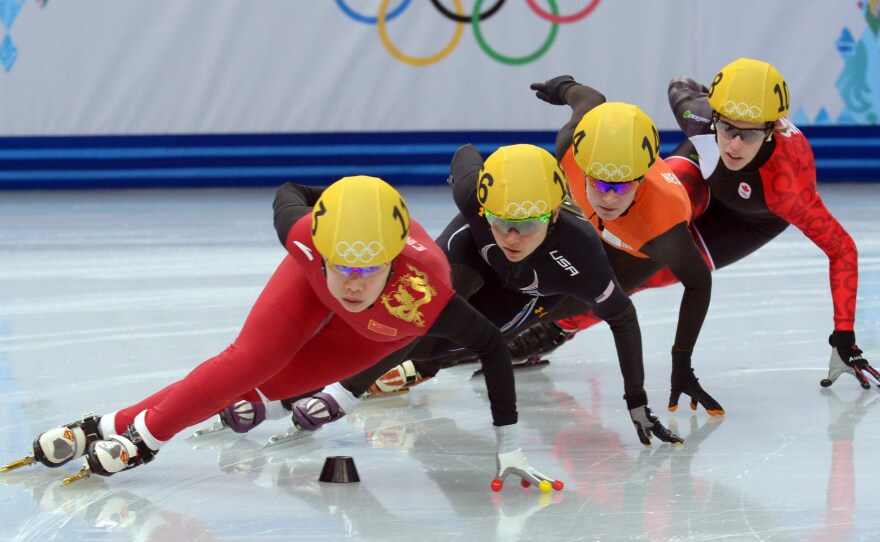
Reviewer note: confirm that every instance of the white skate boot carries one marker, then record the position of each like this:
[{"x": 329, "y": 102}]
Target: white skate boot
[
  {"x": 60, "y": 445},
  {"x": 114, "y": 454}
]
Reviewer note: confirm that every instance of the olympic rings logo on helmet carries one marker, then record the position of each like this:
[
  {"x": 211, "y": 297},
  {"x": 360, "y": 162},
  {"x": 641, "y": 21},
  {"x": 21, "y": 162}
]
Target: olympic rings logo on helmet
[
  {"x": 527, "y": 209},
  {"x": 460, "y": 18},
  {"x": 358, "y": 251},
  {"x": 749, "y": 90},
  {"x": 610, "y": 172},
  {"x": 741, "y": 111}
]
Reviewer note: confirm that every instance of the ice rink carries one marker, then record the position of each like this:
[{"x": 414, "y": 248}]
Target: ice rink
[{"x": 106, "y": 297}]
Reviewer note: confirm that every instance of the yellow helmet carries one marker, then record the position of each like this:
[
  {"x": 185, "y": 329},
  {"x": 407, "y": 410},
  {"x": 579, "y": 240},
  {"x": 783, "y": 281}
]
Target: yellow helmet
[
  {"x": 616, "y": 142},
  {"x": 521, "y": 181},
  {"x": 749, "y": 90},
  {"x": 360, "y": 221}
]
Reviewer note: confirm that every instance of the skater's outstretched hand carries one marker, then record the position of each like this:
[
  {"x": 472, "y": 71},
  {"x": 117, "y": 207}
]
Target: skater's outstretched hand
[
  {"x": 553, "y": 90},
  {"x": 511, "y": 460},
  {"x": 685, "y": 382},
  {"x": 515, "y": 462},
  {"x": 846, "y": 357},
  {"x": 648, "y": 425}
]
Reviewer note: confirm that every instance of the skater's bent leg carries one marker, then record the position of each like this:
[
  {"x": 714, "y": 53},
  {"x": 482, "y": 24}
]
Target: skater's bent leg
[{"x": 281, "y": 322}]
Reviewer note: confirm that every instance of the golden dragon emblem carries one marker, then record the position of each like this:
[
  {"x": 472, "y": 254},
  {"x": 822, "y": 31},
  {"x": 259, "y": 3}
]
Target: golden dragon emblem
[{"x": 401, "y": 303}]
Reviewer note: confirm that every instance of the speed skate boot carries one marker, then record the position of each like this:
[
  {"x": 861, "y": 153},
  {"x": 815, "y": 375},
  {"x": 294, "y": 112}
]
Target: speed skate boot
[
  {"x": 118, "y": 453},
  {"x": 243, "y": 416},
  {"x": 60, "y": 445},
  {"x": 240, "y": 417},
  {"x": 530, "y": 345},
  {"x": 398, "y": 379},
  {"x": 310, "y": 413},
  {"x": 538, "y": 340}
]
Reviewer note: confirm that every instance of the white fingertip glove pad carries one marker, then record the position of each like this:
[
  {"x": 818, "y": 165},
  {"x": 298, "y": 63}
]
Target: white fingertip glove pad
[
  {"x": 516, "y": 463},
  {"x": 510, "y": 458}
]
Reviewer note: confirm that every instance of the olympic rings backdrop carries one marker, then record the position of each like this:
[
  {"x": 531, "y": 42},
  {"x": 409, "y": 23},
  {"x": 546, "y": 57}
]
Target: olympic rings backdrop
[{"x": 140, "y": 68}]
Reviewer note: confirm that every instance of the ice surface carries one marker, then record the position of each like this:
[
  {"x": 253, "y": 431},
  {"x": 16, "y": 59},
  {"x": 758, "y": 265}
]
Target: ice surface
[{"x": 107, "y": 296}]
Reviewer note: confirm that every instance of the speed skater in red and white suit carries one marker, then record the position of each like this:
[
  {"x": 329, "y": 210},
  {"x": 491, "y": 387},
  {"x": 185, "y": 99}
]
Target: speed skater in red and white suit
[{"x": 361, "y": 282}]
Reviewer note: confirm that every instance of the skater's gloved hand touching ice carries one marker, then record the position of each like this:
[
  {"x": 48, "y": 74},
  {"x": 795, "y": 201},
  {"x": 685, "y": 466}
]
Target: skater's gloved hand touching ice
[
  {"x": 647, "y": 425},
  {"x": 846, "y": 357},
  {"x": 511, "y": 460},
  {"x": 684, "y": 382}
]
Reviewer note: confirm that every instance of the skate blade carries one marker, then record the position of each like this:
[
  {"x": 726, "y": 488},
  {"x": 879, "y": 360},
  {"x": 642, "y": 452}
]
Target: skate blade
[
  {"x": 523, "y": 366},
  {"x": 81, "y": 475},
  {"x": 384, "y": 394},
  {"x": 291, "y": 435},
  {"x": 216, "y": 428},
  {"x": 23, "y": 462}
]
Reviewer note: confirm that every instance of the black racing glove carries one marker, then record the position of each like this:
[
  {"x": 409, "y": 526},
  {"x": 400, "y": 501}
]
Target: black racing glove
[
  {"x": 684, "y": 381},
  {"x": 846, "y": 357},
  {"x": 648, "y": 425},
  {"x": 553, "y": 90}
]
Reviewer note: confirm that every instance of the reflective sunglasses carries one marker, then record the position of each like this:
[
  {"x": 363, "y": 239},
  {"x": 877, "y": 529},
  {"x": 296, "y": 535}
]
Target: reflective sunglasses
[
  {"x": 522, "y": 226},
  {"x": 364, "y": 272},
  {"x": 619, "y": 188},
  {"x": 748, "y": 135}
]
